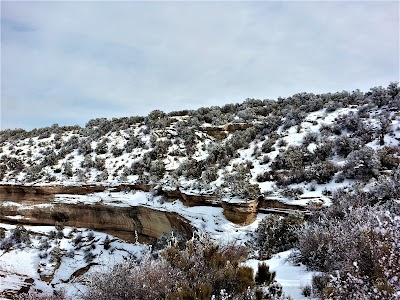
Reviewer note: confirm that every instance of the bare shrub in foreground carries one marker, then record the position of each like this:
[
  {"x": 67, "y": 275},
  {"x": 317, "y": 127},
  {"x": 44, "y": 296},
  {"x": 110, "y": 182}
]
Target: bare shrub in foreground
[{"x": 360, "y": 251}]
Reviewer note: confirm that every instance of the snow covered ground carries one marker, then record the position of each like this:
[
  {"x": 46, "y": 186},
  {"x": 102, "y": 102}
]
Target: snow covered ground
[
  {"x": 293, "y": 278},
  {"x": 52, "y": 259},
  {"x": 48, "y": 273}
]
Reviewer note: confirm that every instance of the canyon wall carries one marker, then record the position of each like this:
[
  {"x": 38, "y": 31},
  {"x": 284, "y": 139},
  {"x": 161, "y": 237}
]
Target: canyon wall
[{"x": 122, "y": 222}]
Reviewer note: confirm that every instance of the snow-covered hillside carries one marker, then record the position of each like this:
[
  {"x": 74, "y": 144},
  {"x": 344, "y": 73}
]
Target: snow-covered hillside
[
  {"x": 306, "y": 145},
  {"x": 336, "y": 155}
]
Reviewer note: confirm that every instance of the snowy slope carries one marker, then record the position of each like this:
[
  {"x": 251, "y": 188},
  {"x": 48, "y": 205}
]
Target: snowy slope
[
  {"x": 296, "y": 151},
  {"x": 301, "y": 145}
]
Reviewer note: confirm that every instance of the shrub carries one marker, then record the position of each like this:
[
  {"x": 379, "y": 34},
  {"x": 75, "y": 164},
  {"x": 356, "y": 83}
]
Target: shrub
[
  {"x": 380, "y": 96},
  {"x": 85, "y": 147},
  {"x": 116, "y": 151},
  {"x": 281, "y": 143},
  {"x": 89, "y": 256},
  {"x": 20, "y": 234},
  {"x": 44, "y": 244},
  {"x": 319, "y": 283},
  {"x": 322, "y": 172},
  {"x": 68, "y": 169},
  {"x": 306, "y": 291},
  {"x": 107, "y": 243},
  {"x": 49, "y": 159},
  {"x": 276, "y": 234},
  {"x": 77, "y": 239},
  {"x": 344, "y": 145},
  {"x": 133, "y": 143},
  {"x": 161, "y": 147},
  {"x": 71, "y": 144},
  {"x": 60, "y": 234},
  {"x": 198, "y": 271},
  {"x": 244, "y": 190},
  {"x": 331, "y": 106},
  {"x": 70, "y": 253},
  {"x": 12, "y": 163},
  {"x": 324, "y": 150},
  {"x": 7, "y": 243},
  {"x": 386, "y": 189},
  {"x": 293, "y": 193},
  {"x": 389, "y": 157},
  {"x": 102, "y": 147},
  {"x": 293, "y": 117},
  {"x": 370, "y": 264},
  {"x": 90, "y": 235},
  {"x": 55, "y": 254},
  {"x": 146, "y": 279},
  {"x": 237, "y": 185},
  {"x": 263, "y": 275},
  {"x": 43, "y": 254},
  {"x": 350, "y": 122},
  {"x": 102, "y": 176},
  {"x": 267, "y": 145},
  {"x": 210, "y": 174},
  {"x": 205, "y": 262},
  {"x": 100, "y": 163},
  {"x": 293, "y": 159},
  {"x": 190, "y": 168},
  {"x": 157, "y": 169},
  {"x": 362, "y": 164},
  {"x": 265, "y": 159},
  {"x": 310, "y": 137},
  {"x": 263, "y": 177},
  {"x": 157, "y": 119},
  {"x": 137, "y": 168}
]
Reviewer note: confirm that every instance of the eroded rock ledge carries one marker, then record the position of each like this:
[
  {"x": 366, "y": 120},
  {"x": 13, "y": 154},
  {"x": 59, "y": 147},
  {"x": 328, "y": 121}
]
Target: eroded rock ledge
[
  {"x": 50, "y": 189},
  {"x": 122, "y": 222},
  {"x": 241, "y": 213}
]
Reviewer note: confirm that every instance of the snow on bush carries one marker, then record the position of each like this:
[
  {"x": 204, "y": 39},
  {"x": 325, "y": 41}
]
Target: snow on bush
[
  {"x": 200, "y": 269},
  {"x": 276, "y": 234},
  {"x": 360, "y": 251}
]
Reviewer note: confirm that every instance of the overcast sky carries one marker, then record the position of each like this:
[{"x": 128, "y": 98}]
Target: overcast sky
[{"x": 68, "y": 62}]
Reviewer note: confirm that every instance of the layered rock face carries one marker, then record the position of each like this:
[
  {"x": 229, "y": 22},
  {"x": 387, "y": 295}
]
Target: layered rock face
[
  {"x": 273, "y": 203},
  {"x": 123, "y": 222},
  {"x": 242, "y": 213},
  {"x": 49, "y": 190}
]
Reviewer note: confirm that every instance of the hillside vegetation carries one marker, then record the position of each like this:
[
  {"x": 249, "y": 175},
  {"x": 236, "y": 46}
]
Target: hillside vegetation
[{"x": 290, "y": 145}]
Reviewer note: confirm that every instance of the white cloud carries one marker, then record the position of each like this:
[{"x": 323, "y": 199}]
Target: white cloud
[{"x": 72, "y": 61}]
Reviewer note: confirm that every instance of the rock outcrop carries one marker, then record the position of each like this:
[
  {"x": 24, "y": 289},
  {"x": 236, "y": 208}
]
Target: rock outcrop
[
  {"x": 123, "y": 222},
  {"x": 109, "y": 218},
  {"x": 50, "y": 189},
  {"x": 221, "y": 132},
  {"x": 275, "y": 203},
  {"x": 242, "y": 213}
]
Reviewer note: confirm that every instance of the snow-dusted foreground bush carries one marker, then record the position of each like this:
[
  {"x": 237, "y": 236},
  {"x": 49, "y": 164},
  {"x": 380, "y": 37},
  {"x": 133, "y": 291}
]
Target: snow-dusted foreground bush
[
  {"x": 200, "y": 269},
  {"x": 277, "y": 234},
  {"x": 356, "y": 246}
]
